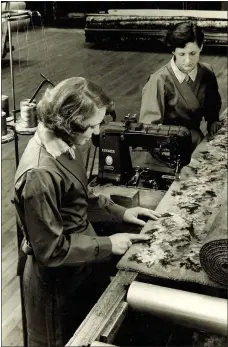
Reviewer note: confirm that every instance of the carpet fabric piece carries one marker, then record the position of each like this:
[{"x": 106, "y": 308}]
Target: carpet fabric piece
[
  {"x": 202, "y": 339},
  {"x": 188, "y": 210},
  {"x": 135, "y": 27},
  {"x": 109, "y": 21},
  {"x": 214, "y": 252}
]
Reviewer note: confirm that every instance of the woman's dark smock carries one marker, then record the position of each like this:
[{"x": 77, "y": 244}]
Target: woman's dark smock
[
  {"x": 165, "y": 100},
  {"x": 53, "y": 201}
]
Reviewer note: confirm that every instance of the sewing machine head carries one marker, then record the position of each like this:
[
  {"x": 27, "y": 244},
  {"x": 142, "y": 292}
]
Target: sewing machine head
[{"x": 168, "y": 147}]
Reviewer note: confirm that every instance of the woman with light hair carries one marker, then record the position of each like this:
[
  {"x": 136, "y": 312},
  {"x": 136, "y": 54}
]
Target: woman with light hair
[{"x": 52, "y": 201}]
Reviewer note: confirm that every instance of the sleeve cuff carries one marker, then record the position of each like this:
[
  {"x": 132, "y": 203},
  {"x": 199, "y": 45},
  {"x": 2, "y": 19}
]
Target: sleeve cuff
[
  {"x": 118, "y": 212},
  {"x": 103, "y": 247}
]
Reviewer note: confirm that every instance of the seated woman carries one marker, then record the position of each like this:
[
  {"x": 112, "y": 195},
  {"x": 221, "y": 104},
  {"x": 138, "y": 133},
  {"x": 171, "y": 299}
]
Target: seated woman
[{"x": 185, "y": 90}]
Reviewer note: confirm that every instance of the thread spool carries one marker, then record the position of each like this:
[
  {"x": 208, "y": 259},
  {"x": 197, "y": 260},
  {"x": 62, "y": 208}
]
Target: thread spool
[
  {"x": 5, "y": 105},
  {"x": 28, "y": 114},
  {"x": 27, "y": 101},
  {"x": 3, "y": 124}
]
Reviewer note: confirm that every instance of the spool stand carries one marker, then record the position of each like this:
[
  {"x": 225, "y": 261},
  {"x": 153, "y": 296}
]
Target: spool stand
[
  {"x": 11, "y": 16},
  {"x": 8, "y": 137},
  {"x": 12, "y": 134},
  {"x": 7, "y": 134}
]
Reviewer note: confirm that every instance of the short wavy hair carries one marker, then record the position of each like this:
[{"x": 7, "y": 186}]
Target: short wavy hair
[
  {"x": 182, "y": 33},
  {"x": 65, "y": 107}
]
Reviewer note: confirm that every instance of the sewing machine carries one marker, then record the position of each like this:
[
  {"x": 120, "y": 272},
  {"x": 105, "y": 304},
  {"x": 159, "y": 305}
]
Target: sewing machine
[{"x": 169, "y": 149}]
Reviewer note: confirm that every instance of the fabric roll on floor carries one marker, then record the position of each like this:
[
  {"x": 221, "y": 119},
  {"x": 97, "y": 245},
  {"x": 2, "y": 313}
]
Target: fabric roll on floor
[
  {"x": 185, "y": 308},
  {"x": 214, "y": 252}
]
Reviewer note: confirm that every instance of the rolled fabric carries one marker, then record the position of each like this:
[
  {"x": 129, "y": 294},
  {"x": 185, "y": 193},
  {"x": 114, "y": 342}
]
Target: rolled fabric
[
  {"x": 214, "y": 252},
  {"x": 189, "y": 309}
]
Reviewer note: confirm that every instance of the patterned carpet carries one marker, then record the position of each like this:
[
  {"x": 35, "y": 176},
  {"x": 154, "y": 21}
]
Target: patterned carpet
[{"x": 188, "y": 208}]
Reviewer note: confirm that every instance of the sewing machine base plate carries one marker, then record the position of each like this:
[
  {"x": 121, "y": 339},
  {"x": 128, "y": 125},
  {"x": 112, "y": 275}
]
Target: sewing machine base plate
[
  {"x": 148, "y": 198},
  {"x": 147, "y": 180}
]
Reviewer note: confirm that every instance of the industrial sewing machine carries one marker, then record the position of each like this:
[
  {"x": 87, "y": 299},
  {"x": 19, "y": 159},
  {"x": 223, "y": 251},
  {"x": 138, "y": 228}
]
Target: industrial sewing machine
[{"x": 169, "y": 149}]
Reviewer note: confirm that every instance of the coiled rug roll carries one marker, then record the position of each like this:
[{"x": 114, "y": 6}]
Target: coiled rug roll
[{"x": 214, "y": 252}]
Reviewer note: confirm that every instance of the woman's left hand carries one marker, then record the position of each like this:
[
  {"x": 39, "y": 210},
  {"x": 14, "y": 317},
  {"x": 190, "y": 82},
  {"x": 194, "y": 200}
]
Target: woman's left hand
[
  {"x": 131, "y": 215},
  {"x": 214, "y": 127}
]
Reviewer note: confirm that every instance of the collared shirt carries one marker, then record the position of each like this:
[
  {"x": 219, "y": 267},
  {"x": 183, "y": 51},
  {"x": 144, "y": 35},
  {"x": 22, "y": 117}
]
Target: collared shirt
[
  {"x": 181, "y": 76},
  {"x": 53, "y": 145}
]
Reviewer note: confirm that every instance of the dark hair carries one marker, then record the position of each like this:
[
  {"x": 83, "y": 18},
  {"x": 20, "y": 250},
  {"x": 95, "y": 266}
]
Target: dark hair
[
  {"x": 182, "y": 33},
  {"x": 64, "y": 108}
]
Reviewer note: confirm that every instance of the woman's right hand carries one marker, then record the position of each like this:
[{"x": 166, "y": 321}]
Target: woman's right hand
[{"x": 121, "y": 242}]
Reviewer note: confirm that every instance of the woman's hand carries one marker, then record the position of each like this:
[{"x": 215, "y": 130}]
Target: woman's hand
[
  {"x": 214, "y": 127},
  {"x": 131, "y": 215},
  {"x": 121, "y": 242}
]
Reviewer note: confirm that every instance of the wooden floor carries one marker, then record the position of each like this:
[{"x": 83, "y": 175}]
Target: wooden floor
[{"x": 59, "y": 54}]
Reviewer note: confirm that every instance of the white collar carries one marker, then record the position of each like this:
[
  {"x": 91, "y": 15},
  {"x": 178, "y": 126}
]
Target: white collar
[
  {"x": 53, "y": 144},
  {"x": 181, "y": 75}
]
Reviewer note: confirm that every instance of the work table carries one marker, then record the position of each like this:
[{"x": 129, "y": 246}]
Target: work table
[{"x": 110, "y": 308}]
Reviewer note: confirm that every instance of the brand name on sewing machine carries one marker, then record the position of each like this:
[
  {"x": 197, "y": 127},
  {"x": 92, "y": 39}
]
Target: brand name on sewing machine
[{"x": 108, "y": 150}]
